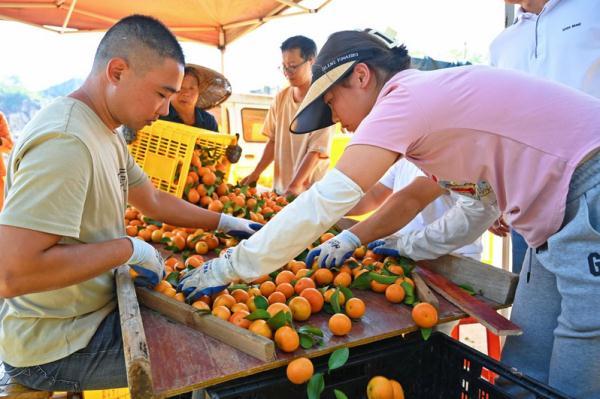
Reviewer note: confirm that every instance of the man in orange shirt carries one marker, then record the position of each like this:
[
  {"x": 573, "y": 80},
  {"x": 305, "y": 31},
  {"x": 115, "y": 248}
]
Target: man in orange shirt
[{"x": 6, "y": 145}]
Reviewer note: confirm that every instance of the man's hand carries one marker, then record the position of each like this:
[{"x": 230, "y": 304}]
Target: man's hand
[
  {"x": 204, "y": 280},
  {"x": 294, "y": 190},
  {"x": 385, "y": 247},
  {"x": 500, "y": 228},
  {"x": 335, "y": 251},
  {"x": 251, "y": 178},
  {"x": 237, "y": 227},
  {"x": 147, "y": 262}
]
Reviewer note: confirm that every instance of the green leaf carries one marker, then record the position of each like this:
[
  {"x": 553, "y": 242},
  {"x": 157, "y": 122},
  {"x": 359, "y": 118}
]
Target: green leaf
[
  {"x": 409, "y": 299},
  {"x": 362, "y": 282},
  {"x": 352, "y": 264},
  {"x": 259, "y": 314},
  {"x": 339, "y": 394},
  {"x": 347, "y": 292},
  {"x": 274, "y": 274},
  {"x": 279, "y": 320},
  {"x": 152, "y": 221},
  {"x": 306, "y": 341},
  {"x": 308, "y": 329},
  {"x": 327, "y": 308},
  {"x": 165, "y": 240},
  {"x": 380, "y": 278},
  {"x": 335, "y": 301},
  {"x": 425, "y": 333},
  {"x": 316, "y": 385},
  {"x": 302, "y": 255},
  {"x": 338, "y": 358},
  {"x": 173, "y": 278},
  {"x": 468, "y": 289},
  {"x": 261, "y": 302},
  {"x": 172, "y": 248},
  {"x": 238, "y": 287},
  {"x": 210, "y": 190}
]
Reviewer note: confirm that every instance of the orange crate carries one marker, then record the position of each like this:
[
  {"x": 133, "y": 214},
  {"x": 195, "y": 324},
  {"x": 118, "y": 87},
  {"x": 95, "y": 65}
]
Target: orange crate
[{"x": 164, "y": 151}]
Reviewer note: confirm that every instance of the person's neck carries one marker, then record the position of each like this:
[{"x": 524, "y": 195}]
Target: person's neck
[
  {"x": 533, "y": 6},
  {"x": 91, "y": 94},
  {"x": 184, "y": 112},
  {"x": 299, "y": 92}
]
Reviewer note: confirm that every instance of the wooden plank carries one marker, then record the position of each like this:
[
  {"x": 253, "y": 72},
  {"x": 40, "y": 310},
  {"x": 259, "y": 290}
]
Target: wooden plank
[
  {"x": 493, "y": 283},
  {"x": 484, "y": 313},
  {"x": 137, "y": 359},
  {"x": 255, "y": 345},
  {"x": 424, "y": 294}
]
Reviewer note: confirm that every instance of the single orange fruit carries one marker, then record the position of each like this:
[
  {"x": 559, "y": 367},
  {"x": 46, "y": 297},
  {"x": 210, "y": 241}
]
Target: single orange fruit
[
  {"x": 226, "y": 300},
  {"x": 378, "y": 287},
  {"x": 287, "y": 339},
  {"x": 360, "y": 252},
  {"x": 267, "y": 288},
  {"x": 157, "y": 235},
  {"x": 340, "y": 324},
  {"x": 343, "y": 279},
  {"x": 277, "y": 307},
  {"x": 300, "y": 370},
  {"x": 261, "y": 327},
  {"x": 201, "y": 247},
  {"x": 277, "y": 297},
  {"x": 425, "y": 315},
  {"x": 315, "y": 298},
  {"x": 239, "y": 306},
  {"x": 131, "y": 231},
  {"x": 286, "y": 288},
  {"x": 326, "y": 237},
  {"x": 179, "y": 297},
  {"x": 194, "y": 261},
  {"x": 302, "y": 284},
  {"x": 394, "y": 293},
  {"x": 397, "y": 270},
  {"x": 222, "y": 312},
  {"x": 397, "y": 389},
  {"x": 355, "y": 308},
  {"x": 201, "y": 305},
  {"x": 193, "y": 196},
  {"x": 162, "y": 286},
  {"x": 302, "y": 273},
  {"x": 300, "y": 307},
  {"x": 380, "y": 388},
  {"x": 240, "y": 295},
  {"x": 239, "y": 319},
  {"x": 285, "y": 276},
  {"x": 322, "y": 277}
]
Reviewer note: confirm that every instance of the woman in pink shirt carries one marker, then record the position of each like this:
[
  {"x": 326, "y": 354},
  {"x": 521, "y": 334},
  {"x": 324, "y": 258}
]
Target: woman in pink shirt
[{"x": 498, "y": 136}]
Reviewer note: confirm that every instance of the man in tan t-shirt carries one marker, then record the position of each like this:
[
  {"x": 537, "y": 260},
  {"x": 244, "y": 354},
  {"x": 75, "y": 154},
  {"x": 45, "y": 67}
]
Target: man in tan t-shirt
[
  {"x": 62, "y": 230},
  {"x": 300, "y": 160}
]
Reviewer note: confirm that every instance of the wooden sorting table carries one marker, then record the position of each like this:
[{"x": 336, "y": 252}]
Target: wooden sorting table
[{"x": 183, "y": 359}]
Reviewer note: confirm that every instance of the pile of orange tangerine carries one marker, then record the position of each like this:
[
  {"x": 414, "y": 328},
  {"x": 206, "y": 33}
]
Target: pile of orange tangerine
[{"x": 269, "y": 305}]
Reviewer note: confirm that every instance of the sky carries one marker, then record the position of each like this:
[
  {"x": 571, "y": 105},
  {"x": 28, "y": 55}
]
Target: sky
[{"x": 442, "y": 29}]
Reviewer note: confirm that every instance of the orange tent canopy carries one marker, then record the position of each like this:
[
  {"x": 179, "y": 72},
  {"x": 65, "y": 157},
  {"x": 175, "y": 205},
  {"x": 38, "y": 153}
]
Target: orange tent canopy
[{"x": 213, "y": 22}]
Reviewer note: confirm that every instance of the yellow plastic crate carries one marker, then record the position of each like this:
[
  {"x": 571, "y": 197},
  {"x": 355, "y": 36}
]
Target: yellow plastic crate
[
  {"x": 164, "y": 151},
  {"x": 121, "y": 393}
]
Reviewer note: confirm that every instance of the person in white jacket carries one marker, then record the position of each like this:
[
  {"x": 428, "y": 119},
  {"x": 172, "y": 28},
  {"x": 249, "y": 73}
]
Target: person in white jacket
[{"x": 451, "y": 223}]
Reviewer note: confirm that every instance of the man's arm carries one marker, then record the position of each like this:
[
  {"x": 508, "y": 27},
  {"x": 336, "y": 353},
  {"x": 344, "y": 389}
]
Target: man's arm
[
  {"x": 466, "y": 221},
  {"x": 298, "y": 183},
  {"x": 267, "y": 157},
  {"x": 169, "y": 209},
  {"x": 398, "y": 210},
  {"x": 33, "y": 261},
  {"x": 372, "y": 200}
]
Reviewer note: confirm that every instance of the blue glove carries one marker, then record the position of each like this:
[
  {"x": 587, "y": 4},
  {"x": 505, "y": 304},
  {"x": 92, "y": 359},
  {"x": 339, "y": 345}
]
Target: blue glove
[
  {"x": 237, "y": 227},
  {"x": 147, "y": 262},
  {"x": 207, "y": 279},
  {"x": 385, "y": 247},
  {"x": 335, "y": 251}
]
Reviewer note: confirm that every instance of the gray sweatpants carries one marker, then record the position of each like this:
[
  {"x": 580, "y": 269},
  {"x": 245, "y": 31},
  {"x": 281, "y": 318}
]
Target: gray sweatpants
[{"x": 559, "y": 308}]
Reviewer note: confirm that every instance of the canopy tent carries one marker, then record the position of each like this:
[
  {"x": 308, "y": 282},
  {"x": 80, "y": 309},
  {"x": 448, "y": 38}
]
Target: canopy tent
[{"x": 213, "y": 22}]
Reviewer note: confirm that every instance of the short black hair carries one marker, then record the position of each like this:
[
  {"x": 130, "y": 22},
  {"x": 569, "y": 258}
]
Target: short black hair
[
  {"x": 307, "y": 47},
  {"x": 134, "y": 35}
]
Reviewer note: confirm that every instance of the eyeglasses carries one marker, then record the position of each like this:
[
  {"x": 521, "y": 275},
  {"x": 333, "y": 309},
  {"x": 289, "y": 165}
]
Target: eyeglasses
[{"x": 291, "y": 68}]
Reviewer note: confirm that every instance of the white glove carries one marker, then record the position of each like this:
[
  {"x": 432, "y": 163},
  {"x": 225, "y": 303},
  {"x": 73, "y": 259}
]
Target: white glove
[
  {"x": 335, "y": 251},
  {"x": 147, "y": 262},
  {"x": 296, "y": 226},
  {"x": 459, "y": 226},
  {"x": 210, "y": 278},
  {"x": 237, "y": 227}
]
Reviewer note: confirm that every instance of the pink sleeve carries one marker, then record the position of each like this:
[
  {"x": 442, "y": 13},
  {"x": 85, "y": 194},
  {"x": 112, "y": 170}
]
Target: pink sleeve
[{"x": 394, "y": 123}]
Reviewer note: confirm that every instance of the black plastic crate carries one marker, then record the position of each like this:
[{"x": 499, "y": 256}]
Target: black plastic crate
[{"x": 439, "y": 368}]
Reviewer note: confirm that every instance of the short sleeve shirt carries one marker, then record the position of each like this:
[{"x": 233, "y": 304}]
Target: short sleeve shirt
[
  {"x": 491, "y": 134},
  {"x": 290, "y": 148},
  {"x": 68, "y": 175}
]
